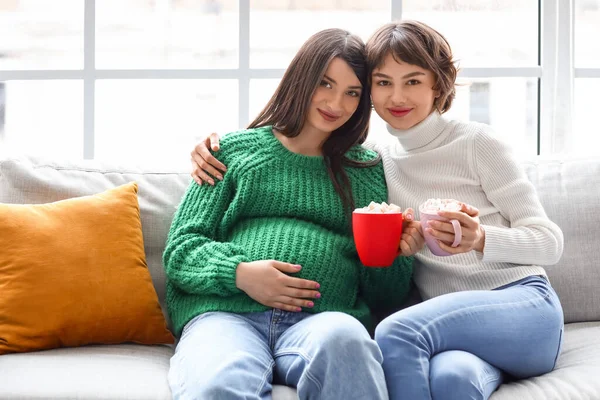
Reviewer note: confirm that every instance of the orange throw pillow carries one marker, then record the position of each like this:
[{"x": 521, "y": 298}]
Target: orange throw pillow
[{"x": 74, "y": 272}]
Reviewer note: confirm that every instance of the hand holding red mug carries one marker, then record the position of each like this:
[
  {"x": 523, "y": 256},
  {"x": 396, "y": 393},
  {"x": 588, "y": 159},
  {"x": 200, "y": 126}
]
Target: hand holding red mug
[
  {"x": 379, "y": 237},
  {"x": 412, "y": 240}
]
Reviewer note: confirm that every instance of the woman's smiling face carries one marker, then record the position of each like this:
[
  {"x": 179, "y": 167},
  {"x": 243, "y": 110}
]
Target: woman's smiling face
[
  {"x": 336, "y": 98},
  {"x": 402, "y": 93}
]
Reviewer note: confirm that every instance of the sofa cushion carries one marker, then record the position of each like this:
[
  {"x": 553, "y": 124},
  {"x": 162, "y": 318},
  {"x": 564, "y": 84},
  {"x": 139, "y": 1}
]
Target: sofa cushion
[
  {"x": 126, "y": 371},
  {"x": 140, "y": 372},
  {"x": 73, "y": 272},
  {"x": 575, "y": 376},
  {"x": 160, "y": 188},
  {"x": 570, "y": 192}
]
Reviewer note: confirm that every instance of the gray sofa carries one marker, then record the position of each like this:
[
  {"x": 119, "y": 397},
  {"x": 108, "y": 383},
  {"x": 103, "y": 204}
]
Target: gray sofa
[{"x": 569, "y": 190}]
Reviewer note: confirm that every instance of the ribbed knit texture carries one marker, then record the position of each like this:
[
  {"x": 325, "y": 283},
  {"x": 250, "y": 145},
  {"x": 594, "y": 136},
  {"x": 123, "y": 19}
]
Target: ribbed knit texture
[
  {"x": 275, "y": 204},
  {"x": 439, "y": 158}
]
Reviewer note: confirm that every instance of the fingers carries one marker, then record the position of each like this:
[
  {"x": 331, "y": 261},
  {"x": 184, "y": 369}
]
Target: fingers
[
  {"x": 213, "y": 141},
  {"x": 292, "y": 304},
  {"x": 414, "y": 228},
  {"x": 440, "y": 226},
  {"x": 200, "y": 176},
  {"x": 290, "y": 280},
  {"x": 207, "y": 161},
  {"x": 445, "y": 231},
  {"x": 408, "y": 214},
  {"x": 412, "y": 238},
  {"x": 454, "y": 250},
  {"x": 300, "y": 283},
  {"x": 211, "y": 161},
  {"x": 285, "y": 267},
  {"x": 206, "y": 167},
  {"x": 406, "y": 246},
  {"x": 200, "y": 169},
  {"x": 469, "y": 209},
  {"x": 445, "y": 240},
  {"x": 302, "y": 293},
  {"x": 195, "y": 175},
  {"x": 293, "y": 301},
  {"x": 465, "y": 215},
  {"x": 441, "y": 236},
  {"x": 464, "y": 219},
  {"x": 205, "y": 155}
]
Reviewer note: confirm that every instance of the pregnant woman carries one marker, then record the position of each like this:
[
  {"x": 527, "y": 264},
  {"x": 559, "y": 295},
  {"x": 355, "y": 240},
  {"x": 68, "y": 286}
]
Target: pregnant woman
[{"x": 263, "y": 281}]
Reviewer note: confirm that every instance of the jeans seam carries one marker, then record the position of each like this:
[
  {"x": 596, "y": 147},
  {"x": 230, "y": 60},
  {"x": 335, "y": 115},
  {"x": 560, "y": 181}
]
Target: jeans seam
[
  {"x": 264, "y": 378},
  {"x": 306, "y": 358},
  {"x": 416, "y": 338},
  {"x": 272, "y": 332},
  {"x": 314, "y": 380},
  {"x": 484, "y": 383},
  {"x": 558, "y": 349},
  {"x": 297, "y": 352}
]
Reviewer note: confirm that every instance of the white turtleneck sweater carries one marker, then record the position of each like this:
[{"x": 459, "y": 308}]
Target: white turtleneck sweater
[{"x": 439, "y": 158}]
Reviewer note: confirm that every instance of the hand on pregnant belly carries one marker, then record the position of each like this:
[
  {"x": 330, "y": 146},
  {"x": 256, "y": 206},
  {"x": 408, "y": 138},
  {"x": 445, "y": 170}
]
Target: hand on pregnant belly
[{"x": 266, "y": 282}]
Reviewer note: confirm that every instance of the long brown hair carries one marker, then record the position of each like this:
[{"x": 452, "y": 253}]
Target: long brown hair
[
  {"x": 416, "y": 43},
  {"x": 289, "y": 106}
]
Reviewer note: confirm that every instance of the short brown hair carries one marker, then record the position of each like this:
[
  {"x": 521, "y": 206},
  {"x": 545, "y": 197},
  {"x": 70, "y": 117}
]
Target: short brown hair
[{"x": 416, "y": 43}]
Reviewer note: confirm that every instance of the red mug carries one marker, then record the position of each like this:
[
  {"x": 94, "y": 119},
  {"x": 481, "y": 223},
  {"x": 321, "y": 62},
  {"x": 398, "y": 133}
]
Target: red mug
[{"x": 377, "y": 237}]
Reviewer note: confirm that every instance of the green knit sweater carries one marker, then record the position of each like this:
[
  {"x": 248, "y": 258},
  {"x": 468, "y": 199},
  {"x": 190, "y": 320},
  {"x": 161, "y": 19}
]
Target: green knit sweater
[{"x": 279, "y": 205}]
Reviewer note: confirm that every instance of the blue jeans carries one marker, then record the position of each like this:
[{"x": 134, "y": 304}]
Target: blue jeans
[
  {"x": 462, "y": 345},
  {"x": 329, "y": 355}
]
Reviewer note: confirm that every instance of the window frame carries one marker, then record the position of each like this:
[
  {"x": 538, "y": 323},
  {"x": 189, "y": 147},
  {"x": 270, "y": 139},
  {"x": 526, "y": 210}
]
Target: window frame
[{"x": 555, "y": 72}]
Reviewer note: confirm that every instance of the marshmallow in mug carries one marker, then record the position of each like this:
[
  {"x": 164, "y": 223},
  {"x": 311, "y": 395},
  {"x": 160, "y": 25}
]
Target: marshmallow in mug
[
  {"x": 432, "y": 206},
  {"x": 376, "y": 208}
]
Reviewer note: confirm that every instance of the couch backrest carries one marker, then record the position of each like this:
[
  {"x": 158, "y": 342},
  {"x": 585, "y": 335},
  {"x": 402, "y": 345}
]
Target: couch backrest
[
  {"x": 568, "y": 189},
  {"x": 570, "y": 192}
]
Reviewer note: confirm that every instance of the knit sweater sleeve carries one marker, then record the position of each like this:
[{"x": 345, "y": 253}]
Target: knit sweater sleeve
[
  {"x": 386, "y": 288},
  {"x": 195, "y": 261},
  {"x": 531, "y": 237}
]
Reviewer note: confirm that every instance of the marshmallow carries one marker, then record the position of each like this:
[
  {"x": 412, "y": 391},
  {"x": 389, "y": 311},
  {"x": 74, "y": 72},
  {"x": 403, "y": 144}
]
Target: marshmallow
[
  {"x": 435, "y": 205},
  {"x": 376, "y": 208}
]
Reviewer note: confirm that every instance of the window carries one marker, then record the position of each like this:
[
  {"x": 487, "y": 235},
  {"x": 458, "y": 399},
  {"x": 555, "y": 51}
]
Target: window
[
  {"x": 137, "y": 34},
  {"x": 505, "y": 104},
  {"x": 2, "y": 108},
  {"x": 167, "y": 118},
  {"x": 585, "y": 138},
  {"x": 587, "y": 46},
  {"x": 482, "y": 33},
  {"x": 479, "y": 102},
  {"x": 35, "y": 122},
  {"x": 147, "y": 78},
  {"x": 41, "y": 35},
  {"x": 278, "y": 28}
]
